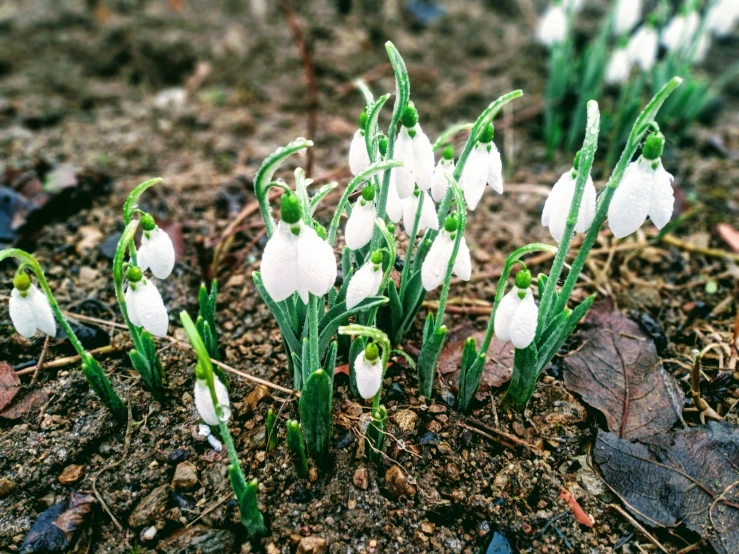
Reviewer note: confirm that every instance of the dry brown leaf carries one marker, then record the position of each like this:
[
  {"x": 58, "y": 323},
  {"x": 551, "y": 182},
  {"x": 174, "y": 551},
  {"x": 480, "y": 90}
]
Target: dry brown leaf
[
  {"x": 497, "y": 368},
  {"x": 9, "y": 384}
]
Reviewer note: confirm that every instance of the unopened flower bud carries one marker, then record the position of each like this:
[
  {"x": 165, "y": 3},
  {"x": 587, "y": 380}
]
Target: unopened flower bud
[
  {"x": 147, "y": 222},
  {"x": 290, "y": 211},
  {"x": 22, "y": 282},
  {"x": 410, "y": 116},
  {"x": 487, "y": 134},
  {"x": 368, "y": 192},
  {"x": 654, "y": 146},
  {"x": 134, "y": 274},
  {"x": 371, "y": 352}
]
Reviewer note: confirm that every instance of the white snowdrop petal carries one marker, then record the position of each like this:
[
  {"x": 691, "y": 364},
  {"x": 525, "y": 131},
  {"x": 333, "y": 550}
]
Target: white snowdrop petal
[
  {"x": 619, "y": 67},
  {"x": 523, "y": 324},
  {"x": 131, "y": 307},
  {"x": 143, "y": 256},
  {"x": 427, "y": 219},
  {"x": 404, "y": 176},
  {"x": 561, "y": 201},
  {"x": 630, "y": 203},
  {"x": 21, "y": 314},
  {"x": 368, "y": 375},
  {"x": 628, "y": 13},
  {"x": 587, "y": 207},
  {"x": 495, "y": 169},
  {"x": 361, "y": 224},
  {"x": 394, "y": 206},
  {"x": 150, "y": 308},
  {"x": 472, "y": 181},
  {"x": 423, "y": 159},
  {"x": 160, "y": 253},
  {"x": 316, "y": 264},
  {"x": 722, "y": 17},
  {"x": 439, "y": 181},
  {"x": 42, "y": 313},
  {"x": 434, "y": 268},
  {"x": 204, "y": 401},
  {"x": 463, "y": 263},
  {"x": 365, "y": 283},
  {"x": 504, "y": 315},
  {"x": 662, "y": 199},
  {"x": 643, "y": 47},
  {"x": 279, "y": 268},
  {"x": 358, "y": 156},
  {"x": 552, "y": 27}
]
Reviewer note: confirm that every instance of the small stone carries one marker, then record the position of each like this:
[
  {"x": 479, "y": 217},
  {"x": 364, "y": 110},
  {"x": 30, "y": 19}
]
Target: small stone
[
  {"x": 6, "y": 487},
  {"x": 361, "y": 478},
  {"x": 428, "y": 528},
  {"x": 256, "y": 396},
  {"x": 71, "y": 474},
  {"x": 151, "y": 507},
  {"x": 406, "y": 420},
  {"x": 313, "y": 474},
  {"x": 433, "y": 426},
  {"x": 444, "y": 447},
  {"x": 88, "y": 274},
  {"x": 437, "y": 409},
  {"x": 397, "y": 484},
  {"x": 312, "y": 545},
  {"x": 351, "y": 504},
  {"x": 185, "y": 476},
  {"x": 149, "y": 533},
  {"x": 272, "y": 549}
]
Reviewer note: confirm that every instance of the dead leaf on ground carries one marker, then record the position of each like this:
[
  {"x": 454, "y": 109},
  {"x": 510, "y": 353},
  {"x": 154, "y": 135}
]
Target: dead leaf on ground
[
  {"x": 499, "y": 364},
  {"x": 618, "y": 372},
  {"x": 729, "y": 235},
  {"x": 24, "y": 404},
  {"x": 9, "y": 384},
  {"x": 55, "y": 528},
  {"x": 689, "y": 476}
]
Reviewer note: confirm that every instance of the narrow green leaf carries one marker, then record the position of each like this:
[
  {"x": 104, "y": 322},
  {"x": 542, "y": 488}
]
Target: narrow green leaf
[
  {"x": 282, "y": 321},
  {"x": 315, "y": 416}
]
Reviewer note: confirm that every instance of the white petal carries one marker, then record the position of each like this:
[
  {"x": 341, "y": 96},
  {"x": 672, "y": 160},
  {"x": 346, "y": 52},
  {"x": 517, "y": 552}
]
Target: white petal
[
  {"x": 423, "y": 159},
  {"x": 279, "y": 266},
  {"x": 439, "y": 181},
  {"x": 523, "y": 324},
  {"x": 131, "y": 307},
  {"x": 42, "y": 313},
  {"x": 361, "y": 224},
  {"x": 364, "y": 283},
  {"x": 474, "y": 175},
  {"x": 643, "y": 47},
  {"x": 552, "y": 27},
  {"x": 204, "y": 401},
  {"x": 662, "y": 200},
  {"x": 358, "y": 156},
  {"x": 369, "y": 376},
  {"x": 587, "y": 207},
  {"x": 463, "y": 264},
  {"x": 619, "y": 67},
  {"x": 630, "y": 203},
  {"x": 143, "y": 256},
  {"x": 628, "y": 13},
  {"x": 394, "y": 206},
  {"x": 403, "y": 151},
  {"x": 150, "y": 308},
  {"x": 722, "y": 17},
  {"x": 159, "y": 253},
  {"x": 21, "y": 314},
  {"x": 495, "y": 169},
  {"x": 434, "y": 268},
  {"x": 557, "y": 206},
  {"x": 316, "y": 264},
  {"x": 504, "y": 315},
  {"x": 428, "y": 218}
]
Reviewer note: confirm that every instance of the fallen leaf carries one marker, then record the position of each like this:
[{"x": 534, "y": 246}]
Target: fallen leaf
[
  {"x": 618, "y": 372},
  {"x": 579, "y": 513},
  {"x": 54, "y": 529},
  {"x": 689, "y": 476},
  {"x": 9, "y": 384},
  {"x": 91, "y": 237},
  {"x": 499, "y": 364},
  {"x": 729, "y": 235},
  {"x": 25, "y": 404}
]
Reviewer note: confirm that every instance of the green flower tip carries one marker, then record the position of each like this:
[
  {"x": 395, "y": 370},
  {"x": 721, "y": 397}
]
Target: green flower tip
[
  {"x": 320, "y": 230},
  {"x": 134, "y": 274},
  {"x": 653, "y": 146},
  {"x": 417, "y": 192},
  {"x": 270, "y": 413},
  {"x": 376, "y": 257},
  {"x": 653, "y": 19},
  {"x": 319, "y": 372},
  {"x": 200, "y": 372},
  {"x": 368, "y": 192},
  {"x": 409, "y": 118},
  {"x": 487, "y": 134},
  {"x": 523, "y": 279},
  {"x": 383, "y": 145},
  {"x": 471, "y": 341},
  {"x": 290, "y": 211},
  {"x": 623, "y": 41},
  {"x": 147, "y": 222},
  {"x": 293, "y": 425},
  {"x": 391, "y": 228},
  {"x": 448, "y": 152},
  {"x": 22, "y": 281},
  {"x": 451, "y": 223},
  {"x": 363, "y": 120},
  {"x": 371, "y": 352},
  {"x": 576, "y": 162}
]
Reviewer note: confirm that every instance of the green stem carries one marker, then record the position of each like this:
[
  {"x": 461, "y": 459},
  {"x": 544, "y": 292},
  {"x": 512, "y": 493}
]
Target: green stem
[
  {"x": 118, "y": 279},
  {"x": 444, "y": 137},
  {"x": 313, "y": 322},
  {"x": 411, "y": 242}
]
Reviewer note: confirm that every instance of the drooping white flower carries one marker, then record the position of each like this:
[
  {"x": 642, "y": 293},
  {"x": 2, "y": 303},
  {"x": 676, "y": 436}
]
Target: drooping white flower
[
  {"x": 557, "y": 206},
  {"x": 361, "y": 223},
  {"x": 428, "y": 218},
  {"x": 368, "y": 371},
  {"x": 439, "y": 181},
  {"x": 204, "y": 401},
  {"x": 394, "y": 205},
  {"x": 626, "y": 16},
  {"x": 678, "y": 34},
  {"x": 645, "y": 191},
  {"x": 516, "y": 316},
  {"x": 415, "y": 150},
  {"x": 643, "y": 47},
  {"x": 365, "y": 282},
  {"x": 30, "y": 309},
  {"x": 722, "y": 17},
  {"x": 483, "y": 166},
  {"x": 702, "y": 47},
  {"x": 146, "y": 308},
  {"x": 434, "y": 268},
  {"x": 358, "y": 157},
  {"x": 619, "y": 67},
  {"x": 156, "y": 252},
  {"x": 552, "y": 27}
]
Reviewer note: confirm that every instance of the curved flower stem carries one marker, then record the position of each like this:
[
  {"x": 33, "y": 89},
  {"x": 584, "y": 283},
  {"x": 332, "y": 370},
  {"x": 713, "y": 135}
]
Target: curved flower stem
[
  {"x": 314, "y": 361},
  {"x": 390, "y": 241},
  {"x": 118, "y": 278},
  {"x": 444, "y": 137},
  {"x": 131, "y": 206},
  {"x": 380, "y": 338},
  {"x": 411, "y": 242}
]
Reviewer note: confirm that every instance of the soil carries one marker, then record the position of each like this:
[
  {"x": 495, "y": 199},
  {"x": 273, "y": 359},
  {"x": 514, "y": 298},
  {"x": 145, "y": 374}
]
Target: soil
[{"x": 91, "y": 91}]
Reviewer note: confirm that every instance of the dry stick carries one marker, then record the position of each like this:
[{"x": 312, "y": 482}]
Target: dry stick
[
  {"x": 40, "y": 362},
  {"x": 310, "y": 76},
  {"x": 68, "y": 360},
  {"x": 639, "y": 526},
  {"x": 689, "y": 247},
  {"x": 503, "y": 434}
]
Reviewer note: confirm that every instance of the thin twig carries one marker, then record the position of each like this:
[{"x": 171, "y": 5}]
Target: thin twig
[
  {"x": 672, "y": 240},
  {"x": 507, "y": 436},
  {"x": 40, "y": 362},
  {"x": 68, "y": 360},
  {"x": 639, "y": 526}
]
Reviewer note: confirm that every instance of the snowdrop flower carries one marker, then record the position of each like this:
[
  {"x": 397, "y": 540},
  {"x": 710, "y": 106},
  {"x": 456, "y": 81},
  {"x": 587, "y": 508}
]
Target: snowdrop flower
[
  {"x": 361, "y": 224},
  {"x": 366, "y": 282},
  {"x": 156, "y": 252},
  {"x": 368, "y": 371},
  {"x": 204, "y": 401},
  {"x": 679, "y": 32},
  {"x": 643, "y": 47},
  {"x": 439, "y": 181},
  {"x": 358, "y": 156},
  {"x": 415, "y": 150},
  {"x": 552, "y": 27},
  {"x": 517, "y": 314},
  {"x": 428, "y": 219},
  {"x": 619, "y": 66},
  {"x": 722, "y": 17},
  {"x": 483, "y": 166},
  {"x": 144, "y": 304},
  {"x": 394, "y": 205},
  {"x": 557, "y": 206},
  {"x": 626, "y": 16},
  {"x": 645, "y": 191},
  {"x": 296, "y": 259},
  {"x": 30, "y": 308},
  {"x": 434, "y": 268}
]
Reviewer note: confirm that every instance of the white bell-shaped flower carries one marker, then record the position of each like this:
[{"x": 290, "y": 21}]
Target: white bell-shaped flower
[
  {"x": 146, "y": 308},
  {"x": 645, "y": 191},
  {"x": 495, "y": 169},
  {"x": 619, "y": 67},
  {"x": 359, "y": 159},
  {"x": 439, "y": 181},
  {"x": 415, "y": 150},
  {"x": 626, "y": 16},
  {"x": 552, "y": 27},
  {"x": 643, "y": 47},
  {"x": 394, "y": 205},
  {"x": 361, "y": 223},
  {"x": 157, "y": 251},
  {"x": 436, "y": 263},
  {"x": 30, "y": 309},
  {"x": 483, "y": 166},
  {"x": 679, "y": 32},
  {"x": 702, "y": 47},
  {"x": 365, "y": 282},
  {"x": 557, "y": 206},
  {"x": 722, "y": 17},
  {"x": 516, "y": 316},
  {"x": 204, "y": 401},
  {"x": 368, "y": 371},
  {"x": 428, "y": 218},
  {"x": 296, "y": 259}
]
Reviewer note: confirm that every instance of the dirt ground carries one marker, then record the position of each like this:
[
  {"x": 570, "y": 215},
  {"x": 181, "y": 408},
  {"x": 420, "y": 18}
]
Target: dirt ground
[{"x": 96, "y": 97}]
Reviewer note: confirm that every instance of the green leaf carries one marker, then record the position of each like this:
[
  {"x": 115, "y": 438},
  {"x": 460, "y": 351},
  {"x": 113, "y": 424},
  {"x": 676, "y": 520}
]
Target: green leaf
[
  {"x": 305, "y": 359},
  {"x": 329, "y": 363},
  {"x": 297, "y": 448},
  {"x": 471, "y": 369},
  {"x": 315, "y": 416},
  {"x": 320, "y": 195},
  {"x": 282, "y": 320},
  {"x": 103, "y": 389},
  {"x": 133, "y": 198},
  {"x": 549, "y": 342},
  {"x": 429, "y": 357},
  {"x": 341, "y": 298},
  {"x": 523, "y": 380},
  {"x": 376, "y": 434},
  {"x": 396, "y": 308},
  {"x": 246, "y": 495},
  {"x": 373, "y": 114},
  {"x": 356, "y": 348},
  {"x": 336, "y": 316}
]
